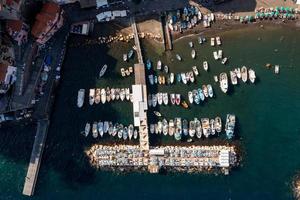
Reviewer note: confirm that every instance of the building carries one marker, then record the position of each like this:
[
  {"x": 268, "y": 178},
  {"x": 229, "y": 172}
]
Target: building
[
  {"x": 17, "y": 30},
  {"x": 7, "y": 77},
  {"x": 110, "y": 15},
  {"x": 10, "y": 9},
  {"x": 61, "y": 2},
  {"x": 94, "y": 3},
  {"x": 48, "y": 22}
]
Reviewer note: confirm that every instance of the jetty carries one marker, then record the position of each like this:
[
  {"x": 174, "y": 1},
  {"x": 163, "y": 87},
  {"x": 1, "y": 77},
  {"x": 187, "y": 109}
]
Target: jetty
[{"x": 36, "y": 156}]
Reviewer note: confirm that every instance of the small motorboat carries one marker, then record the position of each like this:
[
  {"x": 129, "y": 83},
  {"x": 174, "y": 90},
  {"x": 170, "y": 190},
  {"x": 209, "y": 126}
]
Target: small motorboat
[
  {"x": 100, "y": 128},
  {"x": 103, "y": 96},
  {"x": 183, "y": 78},
  {"x": 151, "y": 80},
  {"x": 196, "y": 97},
  {"x": 212, "y": 42},
  {"x": 178, "y": 78},
  {"x": 92, "y": 96},
  {"x": 165, "y": 98},
  {"x": 200, "y": 41},
  {"x": 191, "y": 75},
  {"x": 193, "y": 54},
  {"x": 159, "y": 64},
  {"x": 124, "y": 57},
  {"x": 102, "y": 71},
  {"x": 158, "y": 114},
  {"x": 244, "y": 73},
  {"x": 190, "y": 96},
  {"x": 166, "y": 69},
  {"x": 130, "y": 131},
  {"x": 130, "y": 53},
  {"x": 148, "y": 64},
  {"x": 195, "y": 70},
  {"x": 220, "y": 54},
  {"x": 205, "y": 90},
  {"x": 215, "y": 53},
  {"x": 201, "y": 95},
  {"x": 252, "y": 75},
  {"x": 210, "y": 91},
  {"x": 276, "y": 70},
  {"x": 94, "y": 130},
  {"x": 154, "y": 100},
  {"x": 135, "y": 134},
  {"x": 216, "y": 79},
  {"x": 149, "y": 100},
  {"x": 205, "y": 65},
  {"x": 127, "y": 94},
  {"x": 122, "y": 94},
  {"x": 178, "y": 57},
  {"x": 155, "y": 79},
  {"x": 159, "y": 98},
  {"x": 224, "y": 61},
  {"x": 172, "y": 78},
  {"x": 173, "y": 98},
  {"x": 177, "y": 99},
  {"x": 87, "y": 129},
  {"x": 108, "y": 95},
  {"x": 191, "y": 44},
  {"x": 184, "y": 105}
]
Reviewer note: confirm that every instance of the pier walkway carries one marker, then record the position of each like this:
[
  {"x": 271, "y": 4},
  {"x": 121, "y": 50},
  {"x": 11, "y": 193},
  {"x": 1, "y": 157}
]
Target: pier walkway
[
  {"x": 136, "y": 40},
  {"x": 36, "y": 156}
]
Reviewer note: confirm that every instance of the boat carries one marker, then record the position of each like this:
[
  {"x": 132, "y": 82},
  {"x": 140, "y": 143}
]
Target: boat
[
  {"x": 166, "y": 68},
  {"x": 135, "y": 134},
  {"x": 87, "y": 129},
  {"x": 130, "y": 53},
  {"x": 178, "y": 77},
  {"x": 178, "y": 57},
  {"x": 158, "y": 114},
  {"x": 229, "y": 126},
  {"x": 210, "y": 91},
  {"x": 159, "y": 98},
  {"x": 216, "y": 79},
  {"x": 184, "y": 104},
  {"x": 92, "y": 96},
  {"x": 192, "y": 128},
  {"x": 155, "y": 79},
  {"x": 205, "y": 127},
  {"x": 224, "y": 82},
  {"x": 158, "y": 67},
  {"x": 171, "y": 127},
  {"x": 172, "y": 78},
  {"x": 80, "y": 98},
  {"x": 124, "y": 57},
  {"x": 152, "y": 128},
  {"x": 196, "y": 97},
  {"x": 190, "y": 96},
  {"x": 165, "y": 128},
  {"x": 115, "y": 130},
  {"x": 252, "y": 75},
  {"x": 98, "y": 96},
  {"x": 216, "y": 56},
  {"x": 191, "y": 44},
  {"x": 117, "y": 93},
  {"x": 103, "y": 96},
  {"x": 151, "y": 81},
  {"x": 238, "y": 72},
  {"x": 185, "y": 127},
  {"x": 201, "y": 95},
  {"x": 198, "y": 128},
  {"x": 212, "y": 42},
  {"x": 212, "y": 126},
  {"x": 123, "y": 72},
  {"x": 193, "y": 54},
  {"x": 244, "y": 74},
  {"x": 105, "y": 126},
  {"x": 224, "y": 61},
  {"x": 127, "y": 94},
  {"x": 122, "y": 94},
  {"x": 165, "y": 98},
  {"x": 108, "y": 95},
  {"x": 125, "y": 133},
  {"x": 200, "y": 41},
  {"x": 154, "y": 100},
  {"x": 102, "y": 71},
  {"x": 100, "y": 128},
  {"x": 159, "y": 80},
  {"x": 110, "y": 128},
  {"x": 233, "y": 77},
  {"x": 94, "y": 130},
  {"x": 173, "y": 98},
  {"x": 155, "y": 128},
  {"x": 112, "y": 94},
  {"x": 163, "y": 80},
  {"x": 276, "y": 70},
  {"x": 149, "y": 100},
  {"x": 178, "y": 129},
  {"x": 195, "y": 70},
  {"x": 205, "y": 90},
  {"x": 220, "y": 54},
  {"x": 148, "y": 64},
  {"x": 183, "y": 78},
  {"x": 205, "y": 65},
  {"x": 187, "y": 75},
  {"x": 159, "y": 127},
  {"x": 130, "y": 131},
  {"x": 177, "y": 99},
  {"x": 218, "y": 40},
  {"x": 218, "y": 124},
  {"x": 120, "y": 131}
]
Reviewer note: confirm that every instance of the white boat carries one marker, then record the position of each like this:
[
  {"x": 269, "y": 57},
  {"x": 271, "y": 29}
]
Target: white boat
[
  {"x": 173, "y": 98},
  {"x": 187, "y": 76},
  {"x": 224, "y": 61},
  {"x": 172, "y": 77},
  {"x": 198, "y": 128},
  {"x": 108, "y": 95},
  {"x": 80, "y": 98},
  {"x": 127, "y": 94},
  {"x": 166, "y": 69},
  {"x": 216, "y": 79},
  {"x": 117, "y": 93},
  {"x": 183, "y": 78},
  {"x": 122, "y": 94},
  {"x": 171, "y": 127},
  {"x": 195, "y": 70},
  {"x": 103, "y": 96},
  {"x": 218, "y": 40},
  {"x": 200, "y": 41},
  {"x": 233, "y": 77},
  {"x": 210, "y": 91},
  {"x": 112, "y": 93},
  {"x": 87, "y": 129},
  {"x": 276, "y": 70},
  {"x": 178, "y": 57},
  {"x": 193, "y": 54},
  {"x": 205, "y": 127},
  {"x": 94, "y": 130},
  {"x": 205, "y": 65},
  {"x": 135, "y": 134},
  {"x": 123, "y": 72},
  {"x": 100, "y": 128},
  {"x": 110, "y": 128},
  {"x": 220, "y": 54},
  {"x": 191, "y": 44},
  {"x": 120, "y": 131},
  {"x": 151, "y": 128},
  {"x": 192, "y": 78},
  {"x": 154, "y": 100},
  {"x": 92, "y": 96},
  {"x": 192, "y": 128},
  {"x": 159, "y": 98},
  {"x": 125, "y": 133},
  {"x": 212, "y": 126},
  {"x": 159, "y": 127},
  {"x": 216, "y": 56},
  {"x": 115, "y": 130},
  {"x": 165, "y": 98},
  {"x": 252, "y": 75},
  {"x": 230, "y": 125},
  {"x": 218, "y": 124},
  {"x": 165, "y": 128},
  {"x": 125, "y": 57},
  {"x": 98, "y": 96},
  {"x": 238, "y": 72},
  {"x": 212, "y": 42},
  {"x": 102, "y": 71},
  {"x": 149, "y": 100},
  {"x": 244, "y": 73},
  {"x": 205, "y": 90},
  {"x": 178, "y": 99},
  {"x": 178, "y": 129},
  {"x": 158, "y": 67},
  {"x": 130, "y": 131},
  {"x": 190, "y": 96},
  {"x": 223, "y": 82},
  {"x": 105, "y": 126}
]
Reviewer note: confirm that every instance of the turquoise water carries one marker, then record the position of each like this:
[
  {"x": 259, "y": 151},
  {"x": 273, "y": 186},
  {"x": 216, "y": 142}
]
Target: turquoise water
[{"x": 268, "y": 124}]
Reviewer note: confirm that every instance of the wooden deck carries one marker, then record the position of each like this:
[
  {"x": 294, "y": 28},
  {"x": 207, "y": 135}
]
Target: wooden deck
[{"x": 140, "y": 76}]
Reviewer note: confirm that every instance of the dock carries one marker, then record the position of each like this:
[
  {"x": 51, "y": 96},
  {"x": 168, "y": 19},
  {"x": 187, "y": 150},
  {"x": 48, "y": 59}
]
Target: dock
[
  {"x": 166, "y": 34},
  {"x": 36, "y": 156}
]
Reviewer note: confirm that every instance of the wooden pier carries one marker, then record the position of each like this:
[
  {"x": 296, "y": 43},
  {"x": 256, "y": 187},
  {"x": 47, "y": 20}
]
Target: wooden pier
[{"x": 36, "y": 157}]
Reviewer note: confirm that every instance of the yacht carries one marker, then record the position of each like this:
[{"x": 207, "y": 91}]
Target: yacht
[
  {"x": 159, "y": 127},
  {"x": 112, "y": 93},
  {"x": 110, "y": 128},
  {"x": 210, "y": 91},
  {"x": 94, "y": 130},
  {"x": 105, "y": 126},
  {"x": 185, "y": 127},
  {"x": 103, "y": 96},
  {"x": 212, "y": 126},
  {"x": 117, "y": 93},
  {"x": 205, "y": 127},
  {"x": 218, "y": 124},
  {"x": 120, "y": 129},
  {"x": 127, "y": 94},
  {"x": 80, "y": 98},
  {"x": 178, "y": 129},
  {"x": 205, "y": 65},
  {"x": 252, "y": 75},
  {"x": 244, "y": 73},
  {"x": 165, "y": 128},
  {"x": 191, "y": 75},
  {"x": 229, "y": 126},
  {"x": 233, "y": 77},
  {"x": 198, "y": 128},
  {"x": 238, "y": 72},
  {"x": 193, "y": 54},
  {"x": 98, "y": 96},
  {"x": 108, "y": 95},
  {"x": 135, "y": 134},
  {"x": 122, "y": 94},
  {"x": 92, "y": 96},
  {"x": 196, "y": 97},
  {"x": 183, "y": 78},
  {"x": 216, "y": 56},
  {"x": 192, "y": 128},
  {"x": 195, "y": 70},
  {"x": 130, "y": 131},
  {"x": 125, "y": 133},
  {"x": 224, "y": 82}
]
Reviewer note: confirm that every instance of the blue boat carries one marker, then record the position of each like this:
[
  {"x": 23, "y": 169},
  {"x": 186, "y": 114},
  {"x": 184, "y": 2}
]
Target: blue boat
[
  {"x": 155, "y": 79},
  {"x": 178, "y": 77},
  {"x": 201, "y": 95},
  {"x": 130, "y": 54},
  {"x": 149, "y": 64},
  {"x": 48, "y": 60}
]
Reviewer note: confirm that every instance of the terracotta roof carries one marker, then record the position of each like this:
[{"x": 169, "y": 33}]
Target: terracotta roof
[
  {"x": 14, "y": 25},
  {"x": 3, "y": 71}
]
